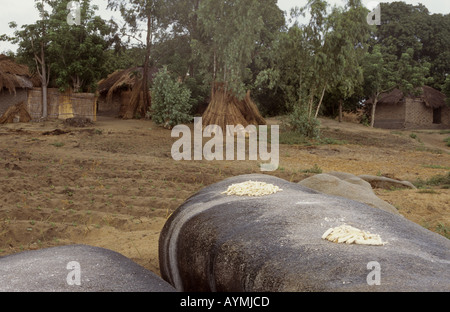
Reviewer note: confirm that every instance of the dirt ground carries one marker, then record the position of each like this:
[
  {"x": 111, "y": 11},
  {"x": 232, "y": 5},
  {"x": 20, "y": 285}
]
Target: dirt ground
[{"x": 113, "y": 184}]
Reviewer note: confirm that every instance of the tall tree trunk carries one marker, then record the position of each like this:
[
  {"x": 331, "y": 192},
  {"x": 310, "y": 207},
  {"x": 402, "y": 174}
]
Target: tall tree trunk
[
  {"x": 44, "y": 101},
  {"x": 44, "y": 81},
  {"x": 215, "y": 66},
  {"x": 76, "y": 84},
  {"x": 320, "y": 102},
  {"x": 340, "y": 110},
  {"x": 146, "y": 105},
  {"x": 310, "y": 104},
  {"x": 374, "y": 107}
]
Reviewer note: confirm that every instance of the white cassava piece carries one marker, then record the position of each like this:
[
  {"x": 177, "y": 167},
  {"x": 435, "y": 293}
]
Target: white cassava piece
[
  {"x": 252, "y": 188},
  {"x": 350, "y": 235}
]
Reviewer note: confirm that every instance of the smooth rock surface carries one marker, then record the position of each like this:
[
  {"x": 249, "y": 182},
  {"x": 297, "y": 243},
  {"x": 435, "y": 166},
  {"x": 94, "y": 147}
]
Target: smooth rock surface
[
  {"x": 215, "y": 242},
  {"x": 349, "y": 187},
  {"x": 100, "y": 270}
]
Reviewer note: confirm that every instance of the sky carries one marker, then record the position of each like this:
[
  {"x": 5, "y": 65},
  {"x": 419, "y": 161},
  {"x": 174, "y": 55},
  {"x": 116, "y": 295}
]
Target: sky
[{"x": 23, "y": 11}]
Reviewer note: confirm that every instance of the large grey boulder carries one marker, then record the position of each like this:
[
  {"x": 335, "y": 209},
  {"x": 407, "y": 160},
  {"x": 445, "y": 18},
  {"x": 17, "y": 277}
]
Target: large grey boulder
[
  {"x": 348, "y": 186},
  {"x": 76, "y": 268},
  {"x": 217, "y": 242}
]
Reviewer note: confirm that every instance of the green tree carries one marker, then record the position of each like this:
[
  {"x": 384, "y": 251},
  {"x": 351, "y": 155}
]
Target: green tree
[
  {"x": 33, "y": 42},
  {"x": 326, "y": 54},
  {"x": 436, "y": 47},
  {"x": 289, "y": 68},
  {"x": 379, "y": 77},
  {"x": 231, "y": 31},
  {"x": 405, "y": 26},
  {"x": 345, "y": 47},
  {"x": 64, "y": 55},
  {"x": 402, "y": 27},
  {"x": 297, "y": 61},
  {"x": 411, "y": 74},
  {"x": 153, "y": 15},
  {"x": 78, "y": 52},
  {"x": 123, "y": 58},
  {"x": 171, "y": 101},
  {"x": 190, "y": 47}
]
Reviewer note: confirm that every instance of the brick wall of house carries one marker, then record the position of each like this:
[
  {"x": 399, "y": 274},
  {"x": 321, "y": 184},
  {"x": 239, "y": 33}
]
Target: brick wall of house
[
  {"x": 109, "y": 109},
  {"x": 62, "y": 105},
  {"x": 418, "y": 114},
  {"x": 390, "y": 116},
  {"x": 9, "y": 99},
  {"x": 446, "y": 116}
]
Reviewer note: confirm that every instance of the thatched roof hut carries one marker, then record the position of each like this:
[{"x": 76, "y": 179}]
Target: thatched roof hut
[
  {"x": 120, "y": 92},
  {"x": 124, "y": 79},
  {"x": 397, "y": 110},
  {"x": 13, "y": 75},
  {"x": 431, "y": 97}
]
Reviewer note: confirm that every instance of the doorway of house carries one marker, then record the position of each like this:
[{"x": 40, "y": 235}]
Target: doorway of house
[{"x": 437, "y": 115}]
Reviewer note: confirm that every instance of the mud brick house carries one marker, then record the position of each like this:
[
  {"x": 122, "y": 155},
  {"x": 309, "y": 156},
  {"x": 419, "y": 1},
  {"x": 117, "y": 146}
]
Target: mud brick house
[
  {"x": 18, "y": 86},
  {"x": 15, "y": 81},
  {"x": 396, "y": 110}
]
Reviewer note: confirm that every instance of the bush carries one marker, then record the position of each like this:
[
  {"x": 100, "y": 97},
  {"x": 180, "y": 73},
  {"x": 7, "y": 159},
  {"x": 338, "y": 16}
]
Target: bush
[
  {"x": 447, "y": 141},
  {"x": 300, "y": 123},
  {"x": 171, "y": 103}
]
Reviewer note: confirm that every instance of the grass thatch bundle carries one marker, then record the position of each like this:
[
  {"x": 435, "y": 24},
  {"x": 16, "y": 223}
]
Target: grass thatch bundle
[
  {"x": 226, "y": 109},
  {"x": 16, "y": 113},
  {"x": 13, "y": 75}
]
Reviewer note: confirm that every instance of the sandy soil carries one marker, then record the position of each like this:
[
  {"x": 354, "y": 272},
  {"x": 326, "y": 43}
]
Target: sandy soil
[{"x": 114, "y": 184}]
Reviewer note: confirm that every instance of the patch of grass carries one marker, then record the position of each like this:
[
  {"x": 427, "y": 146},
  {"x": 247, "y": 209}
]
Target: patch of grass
[
  {"x": 430, "y": 150},
  {"x": 436, "y": 167},
  {"x": 427, "y": 191},
  {"x": 57, "y": 144},
  {"x": 415, "y": 137},
  {"x": 447, "y": 141},
  {"x": 315, "y": 169},
  {"x": 443, "y": 229},
  {"x": 441, "y": 181},
  {"x": 293, "y": 138},
  {"x": 331, "y": 141}
]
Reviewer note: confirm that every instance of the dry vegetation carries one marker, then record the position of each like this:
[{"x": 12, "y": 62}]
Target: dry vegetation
[{"x": 113, "y": 184}]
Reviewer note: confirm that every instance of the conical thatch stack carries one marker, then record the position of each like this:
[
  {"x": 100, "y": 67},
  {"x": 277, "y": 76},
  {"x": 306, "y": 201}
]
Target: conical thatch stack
[
  {"x": 226, "y": 109},
  {"x": 16, "y": 113}
]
